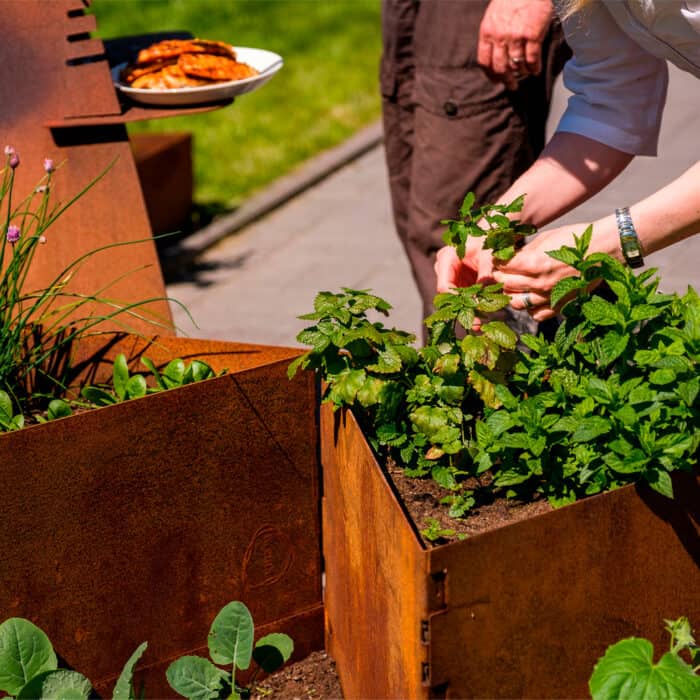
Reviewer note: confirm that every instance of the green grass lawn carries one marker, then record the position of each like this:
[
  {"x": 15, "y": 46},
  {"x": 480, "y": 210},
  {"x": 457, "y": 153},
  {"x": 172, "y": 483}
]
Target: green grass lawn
[{"x": 327, "y": 90}]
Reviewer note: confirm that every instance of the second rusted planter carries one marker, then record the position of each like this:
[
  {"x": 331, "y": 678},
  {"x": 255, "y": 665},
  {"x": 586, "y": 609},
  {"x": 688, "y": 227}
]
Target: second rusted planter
[
  {"x": 139, "y": 521},
  {"x": 523, "y": 611}
]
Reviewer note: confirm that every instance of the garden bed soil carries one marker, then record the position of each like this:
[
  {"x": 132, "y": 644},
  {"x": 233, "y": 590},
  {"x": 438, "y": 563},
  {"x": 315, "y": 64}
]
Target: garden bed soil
[{"x": 312, "y": 677}]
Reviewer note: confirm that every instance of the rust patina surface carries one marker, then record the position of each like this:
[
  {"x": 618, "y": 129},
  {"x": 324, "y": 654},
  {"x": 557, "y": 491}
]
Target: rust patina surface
[
  {"x": 138, "y": 522},
  {"x": 523, "y": 611}
]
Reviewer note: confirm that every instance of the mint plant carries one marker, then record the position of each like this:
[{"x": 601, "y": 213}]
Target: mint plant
[
  {"x": 503, "y": 234},
  {"x": 627, "y": 670},
  {"x": 29, "y": 667},
  {"x": 612, "y": 399},
  {"x": 230, "y": 644}
]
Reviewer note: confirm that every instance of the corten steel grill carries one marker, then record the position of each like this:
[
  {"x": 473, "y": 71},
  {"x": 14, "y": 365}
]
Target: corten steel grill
[
  {"x": 139, "y": 521},
  {"x": 523, "y": 611},
  {"x": 57, "y": 101}
]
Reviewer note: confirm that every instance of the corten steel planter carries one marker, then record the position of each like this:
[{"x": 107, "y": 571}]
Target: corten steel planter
[
  {"x": 522, "y": 611},
  {"x": 139, "y": 521}
]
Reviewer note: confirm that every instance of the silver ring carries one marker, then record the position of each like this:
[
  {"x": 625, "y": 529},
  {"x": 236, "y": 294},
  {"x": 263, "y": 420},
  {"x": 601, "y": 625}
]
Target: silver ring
[
  {"x": 527, "y": 301},
  {"x": 517, "y": 60}
]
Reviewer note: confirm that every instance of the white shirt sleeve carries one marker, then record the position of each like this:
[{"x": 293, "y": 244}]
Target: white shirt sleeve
[{"x": 619, "y": 89}]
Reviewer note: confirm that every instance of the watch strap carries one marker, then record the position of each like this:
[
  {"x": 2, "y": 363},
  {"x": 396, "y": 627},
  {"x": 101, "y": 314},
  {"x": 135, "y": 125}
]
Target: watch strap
[{"x": 629, "y": 241}]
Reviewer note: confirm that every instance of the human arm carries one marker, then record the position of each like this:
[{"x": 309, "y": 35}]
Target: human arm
[
  {"x": 571, "y": 169},
  {"x": 513, "y": 29},
  {"x": 667, "y": 216}
]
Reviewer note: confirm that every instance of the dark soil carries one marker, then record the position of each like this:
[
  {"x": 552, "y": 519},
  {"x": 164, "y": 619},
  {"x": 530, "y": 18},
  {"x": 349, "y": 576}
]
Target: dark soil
[
  {"x": 421, "y": 498},
  {"x": 313, "y": 677}
]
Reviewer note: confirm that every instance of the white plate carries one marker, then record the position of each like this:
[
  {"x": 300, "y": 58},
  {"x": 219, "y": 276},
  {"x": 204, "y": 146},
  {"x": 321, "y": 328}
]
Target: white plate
[{"x": 265, "y": 62}]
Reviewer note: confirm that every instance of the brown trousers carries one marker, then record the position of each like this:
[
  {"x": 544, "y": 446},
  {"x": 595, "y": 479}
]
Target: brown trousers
[{"x": 448, "y": 128}]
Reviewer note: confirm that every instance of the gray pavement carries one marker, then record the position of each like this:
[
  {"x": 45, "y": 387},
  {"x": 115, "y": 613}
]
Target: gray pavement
[{"x": 251, "y": 286}]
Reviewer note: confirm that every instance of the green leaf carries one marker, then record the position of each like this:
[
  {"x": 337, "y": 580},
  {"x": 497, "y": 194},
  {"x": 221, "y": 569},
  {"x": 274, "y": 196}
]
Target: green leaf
[
  {"x": 174, "y": 373},
  {"x": 299, "y": 362},
  {"x": 231, "y": 636},
  {"x": 590, "y": 428},
  {"x": 6, "y": 411},
  {"x": 500, "y": 333},
  {"x": 65, "y": 685},
  {"x": 120, "y": 375},
  {"x": 198, "y": 371},
  {"x": 136, "y": 387},
  {"x": 565, "y": 287},
  {"x": 25, "y": 651},
  {"x": 98, "y": 396},
  {"x": 662, "y": 377},
  {"x": 601, "y": 312},
  {"x": 660, "y": 480},
  {"x": 195, "y": 678},
  {"x": 58, "y": 408},
  {"x": 611, "y": 346},
  {"x": 272, "y": 651},
  {"x": 566, "y": 254},
  {"x": 627, "y": 671},
  {"x": 123, "y": 690}
]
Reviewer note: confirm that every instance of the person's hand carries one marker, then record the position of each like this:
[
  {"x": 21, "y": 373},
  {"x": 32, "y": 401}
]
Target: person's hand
[
  {"x": 475, "y": 266},
  {"x": 510, "y": 38},
  {"x": 531, "y": 274}
]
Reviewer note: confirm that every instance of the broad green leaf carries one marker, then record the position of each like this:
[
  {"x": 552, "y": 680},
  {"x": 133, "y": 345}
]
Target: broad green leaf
[
  {"x": 98, "y": 396},
  {"x": 510, "y": 478},
  {"x": 25, "y": 651},
  {"x": 296, "y": 364},
  {"x": 174, "y": 373},
  {"x": 389, "y": 361},
  {"x": 428, "y": 419},
  {"x": 662, "y": 377},
  {"x": 564, "y": 287},
  {"x": 58, "y": 408},
  {"x": 6, "y": 411},
  {"x": 120, "y": 375},
  {"x": 444, "y": 477},
  {"x": 611, "y": 346},
  {"x": 123, "y": 690},
  {"x": 590, "y": 428},
  {"x": 136, "y": 387},
  {"x": 500, "y": 333},
  {"x": 627, "y": 671},
  {"x": 601, "y": 312},
  {"x": 195, "y": 678},
  {"x": 565, "y": 254},
  {"x": 65, "y": 685},
  {"x": 231, "y": 636},
  {"x": 660, "y": 480},
  {"x": 272, "y": 651},
  {"x": 198, "y": 371},
  {"x": 346, "y": 386},
  {"x": 467, "y": 204}
]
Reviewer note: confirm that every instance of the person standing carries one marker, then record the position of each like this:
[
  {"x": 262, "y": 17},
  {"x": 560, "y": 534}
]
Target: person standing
[{"x": 466, "y": 87}]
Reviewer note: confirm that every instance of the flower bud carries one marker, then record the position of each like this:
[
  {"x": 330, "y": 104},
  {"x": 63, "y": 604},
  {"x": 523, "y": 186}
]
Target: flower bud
[
  {"x": 48, "y": 165},
  {"x": 42, "y": 239},
  {"x": 14, "y": 160},
  {"x": 13, "y": 234},
  {"x": 9, "y": 150}
]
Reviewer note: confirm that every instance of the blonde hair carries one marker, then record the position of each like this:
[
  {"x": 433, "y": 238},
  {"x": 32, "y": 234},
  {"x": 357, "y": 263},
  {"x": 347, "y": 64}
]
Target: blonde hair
[{"x": 571, "y": 7}]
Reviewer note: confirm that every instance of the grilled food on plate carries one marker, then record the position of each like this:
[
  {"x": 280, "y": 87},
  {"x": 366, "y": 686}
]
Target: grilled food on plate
[{"x": 178, "y": 63}]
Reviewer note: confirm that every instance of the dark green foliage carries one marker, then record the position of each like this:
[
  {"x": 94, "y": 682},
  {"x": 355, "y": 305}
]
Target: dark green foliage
[
  {"x": 612, "y": 399},
  {"x": 503, "y": 234}
]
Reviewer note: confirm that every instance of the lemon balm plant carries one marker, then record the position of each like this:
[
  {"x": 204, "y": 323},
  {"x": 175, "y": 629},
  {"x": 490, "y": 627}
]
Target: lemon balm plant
[{"x": 37, "y": 326}]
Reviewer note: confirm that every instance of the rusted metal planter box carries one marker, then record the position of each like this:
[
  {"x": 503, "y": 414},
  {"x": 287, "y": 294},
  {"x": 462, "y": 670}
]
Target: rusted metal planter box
[
  {"x": 523, "y": 611},
  {"x": 139, "y": 521}
]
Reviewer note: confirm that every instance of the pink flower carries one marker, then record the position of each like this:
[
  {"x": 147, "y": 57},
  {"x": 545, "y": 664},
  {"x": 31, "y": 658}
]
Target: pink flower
[
  {"x": 13, "y": 234},
  {"x": 14, "y": 160},
  {"x": 9, "y": 150},
  {"x": 48, "y": 165},
  {"x": 42, "y": 240}
]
